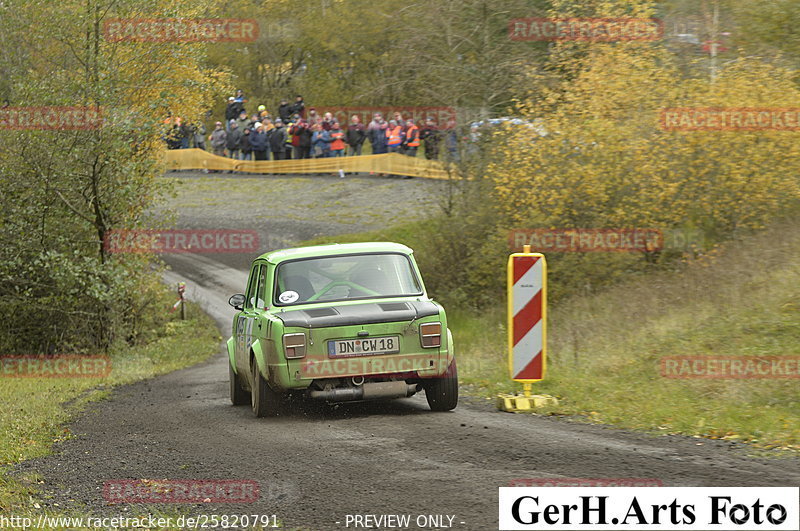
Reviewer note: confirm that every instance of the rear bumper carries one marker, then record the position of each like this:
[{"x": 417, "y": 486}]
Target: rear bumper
[
  {"x": 416, "y": 365},
  {"x": 412, "y": 363}
]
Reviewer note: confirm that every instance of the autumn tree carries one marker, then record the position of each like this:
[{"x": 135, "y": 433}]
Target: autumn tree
[
  {"x": 607, "y": 162},
  {"x": 63, "y": 190},
  {"x": 359, "y": 52}
]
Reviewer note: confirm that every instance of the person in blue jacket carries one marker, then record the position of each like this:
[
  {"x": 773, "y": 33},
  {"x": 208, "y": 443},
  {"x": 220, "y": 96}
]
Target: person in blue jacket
[
  {"x": 259, "y": 141},
  {"x": 378, "y": 139},
  {"x": 320, "y": 142}
]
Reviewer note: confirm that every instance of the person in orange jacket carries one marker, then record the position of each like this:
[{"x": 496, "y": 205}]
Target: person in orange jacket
[
  {"x": 394, "y": 137},
  {"x": 411, "y": 140}
]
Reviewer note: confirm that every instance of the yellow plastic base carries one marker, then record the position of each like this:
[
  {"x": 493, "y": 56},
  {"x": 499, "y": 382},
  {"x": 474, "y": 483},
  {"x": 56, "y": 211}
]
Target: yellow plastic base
[{"x": 514, "y": 403}]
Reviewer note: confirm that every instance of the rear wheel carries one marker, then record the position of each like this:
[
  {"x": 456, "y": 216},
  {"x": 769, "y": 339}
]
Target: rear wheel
[
  {"x": 239, "y": 396},
  {"x": 442, "y": 393},
  {"x": 264, "y": 401}
]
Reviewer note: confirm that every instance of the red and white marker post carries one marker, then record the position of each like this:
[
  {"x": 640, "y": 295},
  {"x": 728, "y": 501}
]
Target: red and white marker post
[
  {"x": 181, "y": 301},
  {"x": 527, "y": 325}
]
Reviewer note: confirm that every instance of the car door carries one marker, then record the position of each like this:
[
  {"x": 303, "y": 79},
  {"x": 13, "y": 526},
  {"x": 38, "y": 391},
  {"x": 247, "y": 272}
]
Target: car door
[
  {"x": 257, "y": 322},
  {"x": 244, "y": 323}
]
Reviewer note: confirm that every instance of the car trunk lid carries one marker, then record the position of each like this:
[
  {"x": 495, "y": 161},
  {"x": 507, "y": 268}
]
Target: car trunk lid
[{"x": 357, "y": 314}]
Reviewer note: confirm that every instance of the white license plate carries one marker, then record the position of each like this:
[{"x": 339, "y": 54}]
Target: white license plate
[{"x": 369, "y": 346}]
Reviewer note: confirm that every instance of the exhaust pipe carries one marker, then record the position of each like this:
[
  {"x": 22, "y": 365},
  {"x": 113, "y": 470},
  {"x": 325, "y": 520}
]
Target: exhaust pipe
[
  {"x": 366, "y": 391},
  {"x": 398, "y": 389}
]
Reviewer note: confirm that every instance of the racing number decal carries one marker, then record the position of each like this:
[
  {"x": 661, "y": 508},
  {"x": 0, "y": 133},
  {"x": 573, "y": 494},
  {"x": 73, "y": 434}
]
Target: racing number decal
[{"x": 241, "y": 340}]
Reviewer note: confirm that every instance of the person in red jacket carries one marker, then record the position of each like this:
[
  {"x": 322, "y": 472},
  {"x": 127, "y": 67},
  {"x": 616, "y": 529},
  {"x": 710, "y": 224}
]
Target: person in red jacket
[
  {"x": 301, "y": 139},
  {"x": 337, "y": 140}
]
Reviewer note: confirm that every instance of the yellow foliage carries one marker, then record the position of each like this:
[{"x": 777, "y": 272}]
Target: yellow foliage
[
  {"x": 607, "y": 163},
  {"x": 132, "y": 82}
]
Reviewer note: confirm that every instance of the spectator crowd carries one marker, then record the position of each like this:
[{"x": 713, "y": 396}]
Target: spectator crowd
[{"x": 295, "y": 132}]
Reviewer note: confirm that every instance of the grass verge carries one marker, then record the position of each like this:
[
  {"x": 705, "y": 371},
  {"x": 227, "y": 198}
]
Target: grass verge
[
  {"x": 35, "y": 409},
  {"x": 605, "y": 349}
]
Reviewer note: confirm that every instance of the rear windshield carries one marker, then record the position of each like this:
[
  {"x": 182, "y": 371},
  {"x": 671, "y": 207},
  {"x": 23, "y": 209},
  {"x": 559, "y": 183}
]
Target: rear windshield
[{"x": 341, "y": 278}]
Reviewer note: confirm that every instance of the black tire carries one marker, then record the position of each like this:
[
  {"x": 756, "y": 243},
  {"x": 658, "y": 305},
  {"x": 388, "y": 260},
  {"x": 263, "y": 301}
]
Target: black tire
[
  {"x": 264, "y": 401},
  {"x": 239, "y": 396},
  {"x": 442, "y": 393}
]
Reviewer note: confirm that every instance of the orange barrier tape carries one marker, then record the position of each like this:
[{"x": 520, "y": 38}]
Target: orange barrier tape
[{"x": 391, "y": 164}]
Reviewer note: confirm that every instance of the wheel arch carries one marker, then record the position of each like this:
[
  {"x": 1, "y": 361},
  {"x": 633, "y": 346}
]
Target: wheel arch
[
  {"x": 257, "y": 352},
  {"x": 231, "y": 346},
  {"x": 451, "y": 352}
]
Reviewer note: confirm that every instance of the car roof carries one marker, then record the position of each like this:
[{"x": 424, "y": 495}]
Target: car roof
[{"x": 333, "y": 249}]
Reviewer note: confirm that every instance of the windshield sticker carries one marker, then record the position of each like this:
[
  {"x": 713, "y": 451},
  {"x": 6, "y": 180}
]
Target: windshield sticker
[{"x": 288, "y": 296}]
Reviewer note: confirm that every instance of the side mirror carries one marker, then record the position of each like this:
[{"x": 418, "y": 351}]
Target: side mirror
[{"x": 237, "y": 301}]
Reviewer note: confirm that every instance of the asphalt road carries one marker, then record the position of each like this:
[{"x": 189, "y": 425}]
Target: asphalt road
[{"x": 321, "y": 463}]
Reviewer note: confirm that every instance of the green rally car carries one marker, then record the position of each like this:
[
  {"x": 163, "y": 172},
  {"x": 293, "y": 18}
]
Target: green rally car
[{"x": 339, "y": 323}]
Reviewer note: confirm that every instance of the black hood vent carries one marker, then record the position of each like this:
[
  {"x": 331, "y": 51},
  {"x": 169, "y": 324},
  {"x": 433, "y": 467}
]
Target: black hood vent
[
  {"x": 321, "y": 312},
  {"x": 393, "y": 306}
]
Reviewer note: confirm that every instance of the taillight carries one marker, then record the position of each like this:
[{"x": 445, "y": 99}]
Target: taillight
[
  {"x": 430, "y": 334},
  {"x": 295, "y": 345}
]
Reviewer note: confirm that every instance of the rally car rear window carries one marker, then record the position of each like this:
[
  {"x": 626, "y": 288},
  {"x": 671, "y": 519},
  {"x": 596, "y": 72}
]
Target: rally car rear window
[{"x": 345, "y": 277}]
